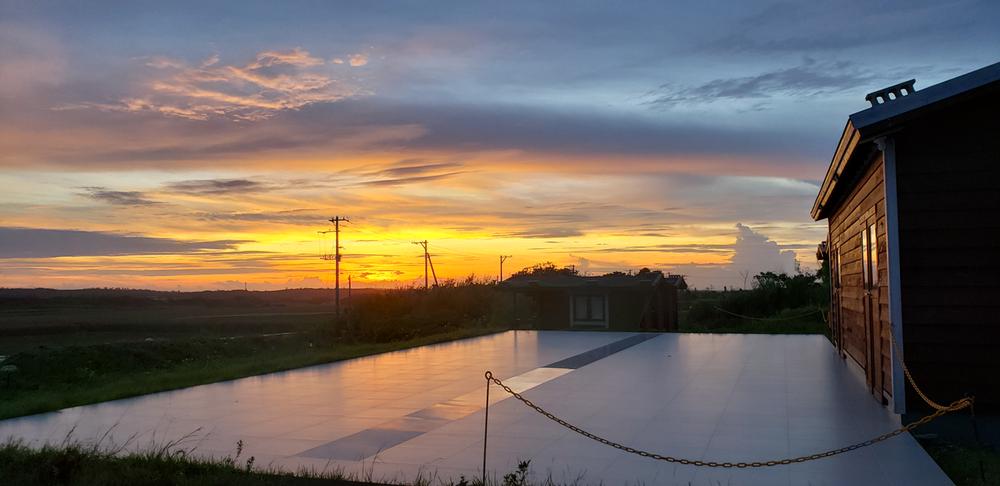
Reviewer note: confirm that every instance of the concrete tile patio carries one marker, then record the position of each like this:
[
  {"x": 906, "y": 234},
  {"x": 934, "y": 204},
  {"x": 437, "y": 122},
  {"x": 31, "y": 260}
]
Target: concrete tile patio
[{"x": 699, "y": 396}]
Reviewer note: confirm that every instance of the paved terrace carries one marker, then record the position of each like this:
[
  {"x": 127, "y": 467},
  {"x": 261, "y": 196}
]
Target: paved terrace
[{"x": 420, "y": 411}]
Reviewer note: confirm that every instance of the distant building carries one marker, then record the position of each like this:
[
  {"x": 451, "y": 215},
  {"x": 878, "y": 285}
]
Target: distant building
[
  {"x": 621, "y": 302},
  {"x": 912, "y": 197}
]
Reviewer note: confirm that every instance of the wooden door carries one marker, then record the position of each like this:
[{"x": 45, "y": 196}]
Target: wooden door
[
  {"x": 870, "y": 296},
  {"x": 836, "y": 282}
]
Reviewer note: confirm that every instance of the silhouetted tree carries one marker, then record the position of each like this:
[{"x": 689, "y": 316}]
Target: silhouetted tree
[{"x": 542, "y": 269}]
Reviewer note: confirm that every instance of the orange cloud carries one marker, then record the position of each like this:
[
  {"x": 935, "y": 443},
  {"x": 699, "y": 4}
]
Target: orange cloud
[
  {"x": 358, "y": 60},
  {"x": 274, "y": 81}
]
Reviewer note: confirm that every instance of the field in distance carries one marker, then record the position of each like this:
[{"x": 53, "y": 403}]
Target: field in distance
[{"x": 45, "y": 317}]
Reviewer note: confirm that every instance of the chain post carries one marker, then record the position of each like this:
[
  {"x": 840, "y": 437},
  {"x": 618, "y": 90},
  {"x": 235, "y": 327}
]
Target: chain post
[{"x": 486, "y": 421}]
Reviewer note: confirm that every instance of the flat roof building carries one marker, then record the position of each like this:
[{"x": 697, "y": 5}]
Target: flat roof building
[{"x": 622, "y": 302}]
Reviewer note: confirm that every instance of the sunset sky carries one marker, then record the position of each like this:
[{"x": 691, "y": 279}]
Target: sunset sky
[{"x": 202, "y": 145}]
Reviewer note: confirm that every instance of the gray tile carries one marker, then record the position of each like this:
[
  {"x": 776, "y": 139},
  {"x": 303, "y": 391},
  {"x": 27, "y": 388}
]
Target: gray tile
[
  {"x": 736, "y": 397},
  {"x": 361, "y": 445}
]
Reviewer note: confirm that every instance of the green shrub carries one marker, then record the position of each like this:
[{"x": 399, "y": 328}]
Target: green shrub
[
  {"x": 776, "y": 303},
  {"x": 408, "y": 313}
]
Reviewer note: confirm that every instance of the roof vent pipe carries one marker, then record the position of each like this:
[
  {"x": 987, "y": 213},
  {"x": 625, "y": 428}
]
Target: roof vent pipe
[{"x": 891, "y": 93}]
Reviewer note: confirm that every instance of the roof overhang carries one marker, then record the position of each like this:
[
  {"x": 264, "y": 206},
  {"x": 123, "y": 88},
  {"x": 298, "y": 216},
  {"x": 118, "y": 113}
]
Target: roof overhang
[
  {"x": 867, "y": 125},
  {"x": 845, "y": 148}
]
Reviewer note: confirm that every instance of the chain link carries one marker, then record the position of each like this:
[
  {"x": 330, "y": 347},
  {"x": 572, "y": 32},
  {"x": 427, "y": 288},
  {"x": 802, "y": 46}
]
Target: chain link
[
  {"x": 939, "y": 411},
  {"x": 766, "y": 319},
  {"x": 897, "y": 351}
]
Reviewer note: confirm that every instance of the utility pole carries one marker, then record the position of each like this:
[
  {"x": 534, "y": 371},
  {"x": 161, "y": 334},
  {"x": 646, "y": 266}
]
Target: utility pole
[
  {"x": 336, "y": 220},
  {"x": 503, "y": 258},
  {"x": 427, "y": 261}
]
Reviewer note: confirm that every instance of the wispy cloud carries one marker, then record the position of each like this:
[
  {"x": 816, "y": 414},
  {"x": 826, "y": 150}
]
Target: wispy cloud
[
  {"x": 409, "y": 171},
  {"x": 213, "y": 187},
  {"x": 412, "y": 167},
  {"x": 293, "y": 216},
  {"x": 353, "y": 60},
  {"x": 18, "y": 242},
  {"x": 399, "y": 181},
  {"x": 118, "y": 198},
  {"x": 294, "y": 57},
  {"x": 811, "y": 77},
  {"x": 543, "y": 232},
  {"x": 272, "y": 82}
]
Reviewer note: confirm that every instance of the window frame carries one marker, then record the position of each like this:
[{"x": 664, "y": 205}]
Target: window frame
[{"x": 588, "y": 319}]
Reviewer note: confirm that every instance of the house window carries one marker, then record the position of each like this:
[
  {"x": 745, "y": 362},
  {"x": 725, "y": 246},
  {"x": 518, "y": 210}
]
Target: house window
[
  {"x": 835, "y": 268},
  {"x": 865, "y": 258},
  {"x": 869, "y": 257},
  {"x": 874, "y": 254},
  {"x": 589, "y": 309}
]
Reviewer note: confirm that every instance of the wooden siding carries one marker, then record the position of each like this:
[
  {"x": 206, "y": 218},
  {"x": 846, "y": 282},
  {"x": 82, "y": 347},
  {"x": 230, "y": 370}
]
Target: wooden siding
[
  {"x": 863, "y": 206},
  {"x": 949, "y": 215}
]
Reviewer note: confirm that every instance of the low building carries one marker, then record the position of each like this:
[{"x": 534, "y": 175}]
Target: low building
[
  {"x": 620, "y": 302},
  {"x": 912, "y": 200}
]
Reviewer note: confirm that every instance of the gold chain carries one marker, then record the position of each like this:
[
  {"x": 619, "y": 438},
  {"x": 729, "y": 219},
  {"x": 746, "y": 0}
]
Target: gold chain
[
  {"x": 906, "y": 371},
  {"x": 939, "y": 411}
]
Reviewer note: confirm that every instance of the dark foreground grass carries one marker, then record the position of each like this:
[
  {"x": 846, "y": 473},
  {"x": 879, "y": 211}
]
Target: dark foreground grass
[
  {"x": 966, "y": 465},
  {"x": 72, "y": 465},
  {"x": 54, "y": 378}
]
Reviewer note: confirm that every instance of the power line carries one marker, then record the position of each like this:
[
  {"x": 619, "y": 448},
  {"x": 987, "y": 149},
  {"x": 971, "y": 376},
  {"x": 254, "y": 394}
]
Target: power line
[
  {"x": 427, "y": 262},
  {"x": 463, "y": 252},
  {"x": 503, "y": 258},
  {"x": 336, "y": 220},
  {"x": 380, "y": 236}
]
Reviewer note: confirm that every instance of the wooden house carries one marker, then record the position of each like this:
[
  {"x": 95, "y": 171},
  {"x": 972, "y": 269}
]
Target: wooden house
[
  {"x": 912, "y": 200},
  {"x": 620, "y": 302}
]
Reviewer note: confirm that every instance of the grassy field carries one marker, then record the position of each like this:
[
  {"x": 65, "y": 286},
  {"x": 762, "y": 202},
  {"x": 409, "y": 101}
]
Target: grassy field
[
  {"x": 62, "y": 349},
  {"x": 30, "y": 318}
]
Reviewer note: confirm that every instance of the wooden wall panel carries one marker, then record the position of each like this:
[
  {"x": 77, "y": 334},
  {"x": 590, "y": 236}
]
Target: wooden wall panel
[
  {"x": 949, "y": 203},
  {"x": 864, "y": 205}
]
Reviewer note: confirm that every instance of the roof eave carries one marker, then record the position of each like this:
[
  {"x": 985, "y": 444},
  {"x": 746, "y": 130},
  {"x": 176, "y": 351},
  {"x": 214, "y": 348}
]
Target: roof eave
[{"x": 849, "y": 140}]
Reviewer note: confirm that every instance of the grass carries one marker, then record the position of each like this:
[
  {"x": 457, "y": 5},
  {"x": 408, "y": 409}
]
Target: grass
[
  {"x": 705, "y": 311},
  {"x": 801, "y": 320},
  {"x": 966, "y": 465},
  {"x": 73, "y": 464},
  {"x": 54, "y": 378},
  {"x": 26, "y": 327}
]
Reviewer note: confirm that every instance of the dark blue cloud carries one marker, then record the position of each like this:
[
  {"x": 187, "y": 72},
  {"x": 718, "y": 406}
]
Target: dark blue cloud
[{"x": 18, "y": 242}]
